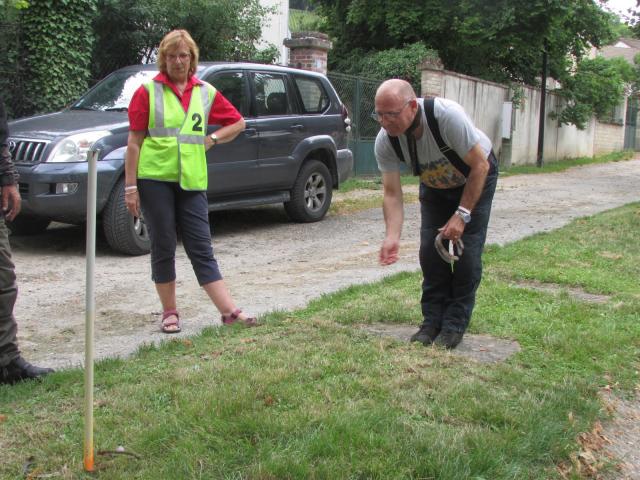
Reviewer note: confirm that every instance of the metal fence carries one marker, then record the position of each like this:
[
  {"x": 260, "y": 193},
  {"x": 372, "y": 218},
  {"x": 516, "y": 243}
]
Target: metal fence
[{"x": 358, "y": 94}]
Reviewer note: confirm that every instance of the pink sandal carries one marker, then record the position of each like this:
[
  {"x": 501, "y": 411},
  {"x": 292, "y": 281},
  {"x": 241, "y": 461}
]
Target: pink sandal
[
  {"x": 173, "y": 325},
  {"x": 234, "y": 317}
]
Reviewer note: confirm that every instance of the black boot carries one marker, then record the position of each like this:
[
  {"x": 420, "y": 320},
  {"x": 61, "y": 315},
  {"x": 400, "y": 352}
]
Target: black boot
[
  {"x": 426, "y": 335},
  {"x": 448, "y": 339},
  {"x": 19, "y": 369}
]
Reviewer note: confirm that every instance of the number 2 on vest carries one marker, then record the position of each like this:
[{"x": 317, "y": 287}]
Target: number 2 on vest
[{"x": 197, "y": 119}]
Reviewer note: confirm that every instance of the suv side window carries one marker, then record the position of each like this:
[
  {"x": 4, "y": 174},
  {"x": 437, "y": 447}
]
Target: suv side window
[
  {"x": 312, "y": 93},
  {"x": 270, "y": 94},
  {"x": 232, "y": 86}
]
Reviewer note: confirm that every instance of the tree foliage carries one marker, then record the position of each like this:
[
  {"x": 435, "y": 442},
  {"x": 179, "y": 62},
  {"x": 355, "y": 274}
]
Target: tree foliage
[
  {"x": 57, "y": 45},
  {"x": 129, "y": 32},
  {"x": 597, "y": 87},
  {"x": 395, "y": 62},
  {"x": 500, "y": 40}
]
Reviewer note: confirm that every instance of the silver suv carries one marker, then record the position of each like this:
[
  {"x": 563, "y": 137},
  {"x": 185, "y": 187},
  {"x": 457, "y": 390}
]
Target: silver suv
[{"x": 293, "y": 150}]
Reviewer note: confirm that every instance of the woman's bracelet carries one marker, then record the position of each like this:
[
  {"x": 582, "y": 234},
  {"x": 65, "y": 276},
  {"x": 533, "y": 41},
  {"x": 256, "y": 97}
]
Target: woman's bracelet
[{"x": 131, "y": 188}]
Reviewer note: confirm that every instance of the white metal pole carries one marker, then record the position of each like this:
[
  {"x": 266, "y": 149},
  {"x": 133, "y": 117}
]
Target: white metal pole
[{"x": 90, "y": 309}]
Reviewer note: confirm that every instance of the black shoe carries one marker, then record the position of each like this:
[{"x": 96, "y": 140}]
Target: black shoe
[
  {"x": 448, "y": 339},
  {"x": 426, "y": 335},
  {"x": 19, "y": 369}
]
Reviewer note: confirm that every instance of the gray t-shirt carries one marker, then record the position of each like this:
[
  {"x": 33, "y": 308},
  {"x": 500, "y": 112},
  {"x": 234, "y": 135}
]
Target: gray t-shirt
[{"x": 457, "y": 131}]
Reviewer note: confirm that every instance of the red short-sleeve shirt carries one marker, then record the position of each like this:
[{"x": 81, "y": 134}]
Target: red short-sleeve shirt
[{"x": 222, "y": 111}]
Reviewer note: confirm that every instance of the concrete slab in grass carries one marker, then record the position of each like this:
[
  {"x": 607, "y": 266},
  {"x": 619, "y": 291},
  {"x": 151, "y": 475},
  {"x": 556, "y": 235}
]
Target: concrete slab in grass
[{"x": 482, "y": 348}]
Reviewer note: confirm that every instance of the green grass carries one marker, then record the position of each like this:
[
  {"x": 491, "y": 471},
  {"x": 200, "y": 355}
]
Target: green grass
[
  {"x": 373, "y": 182},
  {"x": 309, "y": 395},
  {"x": 564, "y": 164}
]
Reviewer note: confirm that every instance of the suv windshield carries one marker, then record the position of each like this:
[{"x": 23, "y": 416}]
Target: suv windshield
[{"x": 114, "y": 92}]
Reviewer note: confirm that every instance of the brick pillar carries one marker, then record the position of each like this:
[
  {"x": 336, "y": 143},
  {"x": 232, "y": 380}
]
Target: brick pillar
[
  {"x": 308, "y": 51},
  {"x": 432, "y": 78}
]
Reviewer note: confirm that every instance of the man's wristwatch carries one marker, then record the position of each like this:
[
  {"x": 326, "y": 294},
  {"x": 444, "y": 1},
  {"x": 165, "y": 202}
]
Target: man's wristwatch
[
  {"x": 214, "y": 138},
  {"x": 464, "y": 214}
]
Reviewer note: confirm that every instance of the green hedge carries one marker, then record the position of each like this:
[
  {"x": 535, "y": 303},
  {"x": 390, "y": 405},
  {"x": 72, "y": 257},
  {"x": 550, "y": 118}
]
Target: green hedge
[{"x": 57, "y": 41}]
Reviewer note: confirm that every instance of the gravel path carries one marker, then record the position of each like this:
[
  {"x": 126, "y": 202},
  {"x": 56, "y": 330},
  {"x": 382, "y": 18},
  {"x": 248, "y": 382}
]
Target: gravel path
[{"x": 272, "y": 264}]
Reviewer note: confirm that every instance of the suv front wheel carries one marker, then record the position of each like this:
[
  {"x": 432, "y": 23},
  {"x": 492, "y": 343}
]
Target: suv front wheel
[
  {"x": 124, "y": 232},
  {"x": 311, "y": 193}
]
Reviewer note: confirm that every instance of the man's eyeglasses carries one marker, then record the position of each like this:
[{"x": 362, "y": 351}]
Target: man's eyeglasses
[
  {"x": 183, "y": 57},
  {"x": 379, "y": 116}
]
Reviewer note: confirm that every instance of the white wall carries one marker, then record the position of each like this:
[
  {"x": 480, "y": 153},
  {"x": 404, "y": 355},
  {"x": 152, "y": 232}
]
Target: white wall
[
  {"x": 277, "y": 28},
  {"x": 560, "y": 141},
  {"x": 483, "y": 102}
]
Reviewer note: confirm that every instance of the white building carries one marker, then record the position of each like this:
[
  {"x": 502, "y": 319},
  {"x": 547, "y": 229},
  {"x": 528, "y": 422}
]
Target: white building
[{"x": 276, "y": 28}]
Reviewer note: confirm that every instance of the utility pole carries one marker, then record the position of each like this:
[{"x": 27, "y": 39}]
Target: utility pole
[{"x": 543, "y": 102}]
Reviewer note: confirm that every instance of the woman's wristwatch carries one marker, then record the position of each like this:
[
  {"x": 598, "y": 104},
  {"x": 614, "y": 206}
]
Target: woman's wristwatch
[{"x": 214, "y": 138}]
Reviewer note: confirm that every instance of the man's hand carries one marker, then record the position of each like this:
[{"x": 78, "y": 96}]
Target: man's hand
[
  {"x": 453, "y": 229},
  {"x": 10, "y": 201},
  {"x": 389, "y": 251}
]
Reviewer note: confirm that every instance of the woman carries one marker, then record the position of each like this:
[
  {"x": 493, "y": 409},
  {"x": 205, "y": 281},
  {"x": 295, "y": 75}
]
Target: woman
[{"x": 166, "y": 172}]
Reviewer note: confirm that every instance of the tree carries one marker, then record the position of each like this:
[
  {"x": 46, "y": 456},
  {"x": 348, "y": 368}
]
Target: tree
[
  {"x": 57, "y": 42},
  {"x": 129, "y": 32},
  {"x": 597, "y": 87},
  {"x": 395, "y": 62},
  {"x": 498, "y": 40}
]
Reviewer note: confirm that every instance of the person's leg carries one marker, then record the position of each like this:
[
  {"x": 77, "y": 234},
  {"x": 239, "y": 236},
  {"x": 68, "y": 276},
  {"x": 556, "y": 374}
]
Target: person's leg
[
  {"x": 8, "y": 293},
  {"x": 193, "y": 219},
  {"x": 434, "y": 211},
  {"x": 468, "y": 270},
  {"x": 13, "y": 368},
  {"x": 158, "y": 203}
]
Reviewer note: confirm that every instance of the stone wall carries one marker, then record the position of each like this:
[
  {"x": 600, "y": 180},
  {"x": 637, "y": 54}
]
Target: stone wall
[{"x": 609, "y": 138}]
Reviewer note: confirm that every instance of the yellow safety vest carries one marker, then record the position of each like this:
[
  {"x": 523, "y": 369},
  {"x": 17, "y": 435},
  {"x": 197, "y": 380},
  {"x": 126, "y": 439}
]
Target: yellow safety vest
[{"x": 173, "y": 150}]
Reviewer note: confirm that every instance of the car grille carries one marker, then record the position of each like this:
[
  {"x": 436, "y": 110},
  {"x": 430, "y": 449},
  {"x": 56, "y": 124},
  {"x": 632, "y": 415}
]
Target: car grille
[{"x": 26, "y": 151}]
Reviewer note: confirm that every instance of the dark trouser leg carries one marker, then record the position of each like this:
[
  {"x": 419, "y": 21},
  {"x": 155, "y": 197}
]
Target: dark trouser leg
[
  {"x": 193, "y": 218},
  {"x": 449, "y": 297},
  {"x": 435, "y": 210},
  {"x": 158, "y": 203},
  {"x": 8, "y": 294}
]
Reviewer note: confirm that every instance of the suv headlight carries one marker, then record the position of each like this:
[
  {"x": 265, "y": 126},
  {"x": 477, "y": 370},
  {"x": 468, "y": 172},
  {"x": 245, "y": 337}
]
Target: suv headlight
[{"x": 75, "y": 147}]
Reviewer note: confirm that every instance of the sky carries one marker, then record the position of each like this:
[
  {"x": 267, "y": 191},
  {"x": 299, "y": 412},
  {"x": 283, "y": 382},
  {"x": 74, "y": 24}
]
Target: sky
[{"x": 620, "y": 6}]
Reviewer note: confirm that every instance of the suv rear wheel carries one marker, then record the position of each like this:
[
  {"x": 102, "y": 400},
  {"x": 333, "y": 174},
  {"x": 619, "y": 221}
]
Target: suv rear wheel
[
  {"x": 311, "y": 193},
  {"x": 124, "y": 232},
  {"x": 26, "y": 225}
]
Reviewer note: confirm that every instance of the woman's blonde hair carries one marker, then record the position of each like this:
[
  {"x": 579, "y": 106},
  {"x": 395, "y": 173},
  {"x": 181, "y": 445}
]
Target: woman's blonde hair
[{"x": 171, "y": 41}]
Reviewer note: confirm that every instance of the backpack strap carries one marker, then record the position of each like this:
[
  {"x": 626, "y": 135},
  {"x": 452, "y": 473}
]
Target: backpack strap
[
  {"x": 395, "y": 143},
  {"x": 448, "y": 152}
]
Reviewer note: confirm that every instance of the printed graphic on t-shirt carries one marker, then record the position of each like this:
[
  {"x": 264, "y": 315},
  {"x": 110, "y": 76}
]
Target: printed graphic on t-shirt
[{"x": 442, "y": 174}]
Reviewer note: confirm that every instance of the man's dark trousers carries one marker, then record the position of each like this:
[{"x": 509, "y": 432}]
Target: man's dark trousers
[
  {"x": 448, "y": 297},
  {"x": 8, "y": 294}
]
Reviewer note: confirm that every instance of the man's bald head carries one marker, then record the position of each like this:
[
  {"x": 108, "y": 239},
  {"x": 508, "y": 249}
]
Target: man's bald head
[
  {"x": 396, "y": 106},
  {"x": 396, "y": 88}
]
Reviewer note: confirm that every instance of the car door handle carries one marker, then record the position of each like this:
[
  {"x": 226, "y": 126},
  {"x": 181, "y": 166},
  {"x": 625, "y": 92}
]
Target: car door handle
[
  {"x": 297, "y": 127},
  {"x": 250, "y": 132}
]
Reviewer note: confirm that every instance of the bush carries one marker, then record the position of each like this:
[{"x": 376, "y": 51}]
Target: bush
[
  {"x": 393, "y": 63},
  {"x": 58, "y": 44}
]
